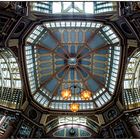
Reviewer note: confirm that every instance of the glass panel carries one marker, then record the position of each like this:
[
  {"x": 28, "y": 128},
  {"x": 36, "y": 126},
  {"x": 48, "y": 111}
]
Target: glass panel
[
  {"x": 10, "y": 81},
  {"x": 43, "y": 7}
]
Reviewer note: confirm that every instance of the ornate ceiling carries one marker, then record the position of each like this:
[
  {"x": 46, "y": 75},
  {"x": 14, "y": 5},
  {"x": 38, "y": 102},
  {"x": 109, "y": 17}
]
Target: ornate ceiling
[{"x": 67, "y": 53}]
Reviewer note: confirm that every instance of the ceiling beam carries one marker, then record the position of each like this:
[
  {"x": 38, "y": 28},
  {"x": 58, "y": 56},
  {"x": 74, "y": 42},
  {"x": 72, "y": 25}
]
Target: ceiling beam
[
  {"x": 57, "y": 87},
  {"x": 104, "y": 46},
  {"x": 94, "y": 77},
  {"x": 50, "y": 78},
  {"x": 84, "y": 83},
  {"x": 57, "y": 41},
  {"x": 50, "y": 50},
  {"x": 87, "y": 41}
]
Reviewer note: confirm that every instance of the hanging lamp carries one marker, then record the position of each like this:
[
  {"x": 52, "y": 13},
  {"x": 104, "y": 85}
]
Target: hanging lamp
[
  {"x": 74, "y": 107},
  {"x": 85, "y": 95},
  {"x": 66, "y": 94}
]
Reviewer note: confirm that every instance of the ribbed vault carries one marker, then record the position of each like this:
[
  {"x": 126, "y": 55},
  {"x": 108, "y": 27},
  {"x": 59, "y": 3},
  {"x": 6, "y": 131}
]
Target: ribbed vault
[{"x": 67, "y": 53}]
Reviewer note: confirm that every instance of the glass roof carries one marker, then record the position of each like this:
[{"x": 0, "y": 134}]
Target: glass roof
[
  {"x": 131, "y": 92},
  {"x": 10, "y": 80},
  {"x": 132, "y": 73},
  {"x": 72, "y": 120},
  {"x": 74, "y": 7},
  {"x": 66, "y": 53}
]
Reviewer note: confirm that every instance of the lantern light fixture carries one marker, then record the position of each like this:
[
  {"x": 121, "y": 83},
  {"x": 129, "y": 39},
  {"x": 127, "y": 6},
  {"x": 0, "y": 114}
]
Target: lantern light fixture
[
  {"x": 67, "y": 93},
  {"x": 74, "y": 107}
]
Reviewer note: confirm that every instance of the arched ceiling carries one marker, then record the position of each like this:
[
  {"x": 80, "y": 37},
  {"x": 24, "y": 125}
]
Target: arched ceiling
[
  {"x": 66, "y": 53},
  {"x": 72, "y": 121},
  {"x": 131, "y": 90},
  {"x": 11, "y": 94}
]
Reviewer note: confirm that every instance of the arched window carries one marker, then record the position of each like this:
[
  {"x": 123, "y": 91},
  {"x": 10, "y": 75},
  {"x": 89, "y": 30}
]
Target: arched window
[
  {"x": 131, "y": 91},
  {"x": 72, "y": 120},
  {"x": 10, "y": 81}
]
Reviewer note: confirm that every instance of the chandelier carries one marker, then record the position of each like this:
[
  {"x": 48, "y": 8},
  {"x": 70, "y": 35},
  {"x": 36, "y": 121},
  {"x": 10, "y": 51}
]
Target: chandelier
[
  {"x": 84, "y": 95},
  {"x": 74, "y": 107},
  {"x": 66, "y": 94}
]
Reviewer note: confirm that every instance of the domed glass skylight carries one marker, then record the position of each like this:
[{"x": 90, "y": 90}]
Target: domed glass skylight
[{"x": 60, "y": 54}]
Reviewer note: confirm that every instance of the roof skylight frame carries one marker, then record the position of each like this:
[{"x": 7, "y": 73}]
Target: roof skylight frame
[{"x": 101, "y": 98}]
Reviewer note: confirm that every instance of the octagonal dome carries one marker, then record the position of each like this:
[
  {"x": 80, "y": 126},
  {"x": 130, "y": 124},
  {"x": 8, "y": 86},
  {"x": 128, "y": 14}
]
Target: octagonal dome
[{"x": 62, "y": 54}]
